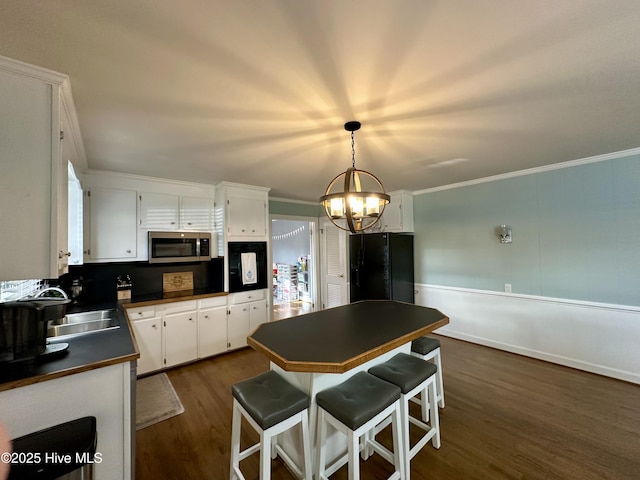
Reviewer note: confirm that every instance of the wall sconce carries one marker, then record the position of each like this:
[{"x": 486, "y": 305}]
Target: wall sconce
[{"x": 504, "y": 233}]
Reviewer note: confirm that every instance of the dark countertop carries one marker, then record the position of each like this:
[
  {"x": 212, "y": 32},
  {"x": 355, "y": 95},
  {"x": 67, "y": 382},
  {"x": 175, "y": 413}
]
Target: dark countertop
[
  {"x": 86, "y": 352},
  {"x": 92, "y": 350},
  {"x": 338, "y": 339},
  {"x": 180, "y": 296}
]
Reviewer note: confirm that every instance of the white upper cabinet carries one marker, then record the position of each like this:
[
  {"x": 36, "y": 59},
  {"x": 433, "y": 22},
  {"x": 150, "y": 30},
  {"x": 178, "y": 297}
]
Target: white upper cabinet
[
  {"x": 245, "y": 212},
  {"x": 159, "y": 211},
  {"x": 75, "y": 218},
  {"x": 196, "y": 213},
  {"x": 33, "y": 184},
  {"x": 111, "y": 224},
  {"x": 149, "y": 204},
  {"x": 398, "y": 215}
]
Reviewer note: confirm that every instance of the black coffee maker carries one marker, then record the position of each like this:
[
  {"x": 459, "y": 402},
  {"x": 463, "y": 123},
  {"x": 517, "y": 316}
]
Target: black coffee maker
[{"x": 23, "y": 328}]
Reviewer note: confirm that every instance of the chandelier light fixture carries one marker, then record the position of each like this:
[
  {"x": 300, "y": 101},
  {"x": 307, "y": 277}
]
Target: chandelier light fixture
[{"x": 359, "y": 205}]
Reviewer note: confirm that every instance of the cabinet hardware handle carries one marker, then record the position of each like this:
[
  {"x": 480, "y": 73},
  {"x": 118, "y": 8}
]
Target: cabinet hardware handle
[
  {"x": 154, "y": 325},
  {"x": 128, "y": 251}
]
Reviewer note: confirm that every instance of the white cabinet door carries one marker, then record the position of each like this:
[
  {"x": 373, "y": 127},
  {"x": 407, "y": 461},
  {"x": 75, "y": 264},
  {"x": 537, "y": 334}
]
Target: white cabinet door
[
  {"x": 180, "y": 338},
  {"x": 29, "y": 180},
  {"x": 257, "y": 314},
  {"x": 238, "y": 325},
  {"x": 246, "y": 217},
  {"x": 398, "y": 215},
  {"x": 212, "y": 331},
  {"x": 158, "y": 211},
  {"x": 112, "y": 224},
  {"x": 196, "y": 213},
  {"x": 148, "y": 333},
  {"x": 75, "y": 225}
]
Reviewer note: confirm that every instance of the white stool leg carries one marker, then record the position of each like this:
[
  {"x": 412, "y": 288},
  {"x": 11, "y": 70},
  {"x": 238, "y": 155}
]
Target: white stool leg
[
  {"x": 403, "y": 428},
  {"x": 320, "y": 451},
  {"x": 440, "y": 385},
  {"x": 400, "y": 447},
  {"x": 235, "y": 441},
  {"x": 435, "y": 417},
  {"x": 354, "y": 461},
  {"x": 306, "y": 445},
  {"x": 424, "y": 405},
  {"x": 265, "y": 456}
]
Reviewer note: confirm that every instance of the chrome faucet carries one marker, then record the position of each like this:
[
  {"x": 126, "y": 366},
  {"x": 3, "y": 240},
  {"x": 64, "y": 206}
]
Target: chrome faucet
[{"x": 52, "y": 289}]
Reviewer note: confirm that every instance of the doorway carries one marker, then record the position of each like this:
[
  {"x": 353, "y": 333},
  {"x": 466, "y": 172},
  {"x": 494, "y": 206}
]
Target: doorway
[{"x": 294, "y": 266}]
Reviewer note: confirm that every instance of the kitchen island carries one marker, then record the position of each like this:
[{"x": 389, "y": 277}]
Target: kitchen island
[
  {"x": 340, "y": 339},
  {"x": 322, "y": 349}
]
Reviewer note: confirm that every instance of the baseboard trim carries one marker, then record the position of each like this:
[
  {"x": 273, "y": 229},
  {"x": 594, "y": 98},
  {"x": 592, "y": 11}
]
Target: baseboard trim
[{"x": 593, "y": 337}]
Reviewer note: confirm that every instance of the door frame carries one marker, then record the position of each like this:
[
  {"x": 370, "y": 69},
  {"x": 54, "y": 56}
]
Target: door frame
[{"x": 314, "y": 270}]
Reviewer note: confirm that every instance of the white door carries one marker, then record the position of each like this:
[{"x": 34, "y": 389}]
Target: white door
[
  {"x": 212, "y": 331},
  {"x": 257, "y": 314},
  {"x": 334, "y": 265},
  {"x": 148, "y": 334},
  {"x": 238, "y": 325},
  {"x": 180, "y": 338}
]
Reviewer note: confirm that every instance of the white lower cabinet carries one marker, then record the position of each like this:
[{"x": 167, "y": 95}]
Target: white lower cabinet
[
  {"x": 247, "y": 310},
  {"x": 257, "y": 315},
  {"x": 238, "y": 325},
  {"x": 180, "y": 338},
  {"x": 212, "y": 326},
  {"x": 147, "y": 328},
  {"x": 170, "y": 334}
]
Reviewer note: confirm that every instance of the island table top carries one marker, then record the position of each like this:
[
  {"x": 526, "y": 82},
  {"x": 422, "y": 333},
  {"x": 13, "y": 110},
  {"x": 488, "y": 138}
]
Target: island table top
[{"x": 338, "y": 339}]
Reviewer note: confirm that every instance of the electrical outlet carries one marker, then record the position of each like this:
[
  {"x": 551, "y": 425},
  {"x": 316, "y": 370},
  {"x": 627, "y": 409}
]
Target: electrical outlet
[{"x": 507, "y": 288}]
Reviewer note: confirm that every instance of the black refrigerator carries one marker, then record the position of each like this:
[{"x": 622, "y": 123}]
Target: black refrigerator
[{"x": 381, "y": 267}]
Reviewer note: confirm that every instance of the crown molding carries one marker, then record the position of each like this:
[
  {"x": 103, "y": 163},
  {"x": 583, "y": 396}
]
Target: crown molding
[{"x": 535, "y": 170}]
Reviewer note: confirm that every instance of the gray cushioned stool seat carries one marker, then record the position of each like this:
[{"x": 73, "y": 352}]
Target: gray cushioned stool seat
[
  {"x": 357, "y": 400},
  {"x": 269, "y": 398},
  {"x": 405, "y": 371},
  {"x": 424, "y": 345}
]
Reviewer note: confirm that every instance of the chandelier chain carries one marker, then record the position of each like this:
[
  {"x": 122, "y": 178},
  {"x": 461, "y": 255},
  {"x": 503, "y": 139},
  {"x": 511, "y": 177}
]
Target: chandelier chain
[{"x": 353, "y": 152}]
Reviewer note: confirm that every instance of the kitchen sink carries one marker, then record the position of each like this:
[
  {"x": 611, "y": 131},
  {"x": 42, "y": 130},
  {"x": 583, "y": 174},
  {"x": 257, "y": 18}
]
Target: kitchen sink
[{"x": 83, "y": 322}]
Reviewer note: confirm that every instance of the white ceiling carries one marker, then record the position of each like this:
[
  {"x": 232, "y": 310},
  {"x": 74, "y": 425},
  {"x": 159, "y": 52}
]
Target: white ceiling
[{"x": 257, "y": 91}]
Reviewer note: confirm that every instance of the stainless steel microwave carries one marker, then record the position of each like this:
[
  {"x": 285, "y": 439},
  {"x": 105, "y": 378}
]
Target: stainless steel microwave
[{"x": 171, "y": 247}]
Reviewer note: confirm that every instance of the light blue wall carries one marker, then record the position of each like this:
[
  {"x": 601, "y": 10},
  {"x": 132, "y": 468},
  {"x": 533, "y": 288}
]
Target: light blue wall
[
  {"x": 277, "y": 207},
  {"x": 576, "y": 234},
  {"x": 290, "y": 240}
]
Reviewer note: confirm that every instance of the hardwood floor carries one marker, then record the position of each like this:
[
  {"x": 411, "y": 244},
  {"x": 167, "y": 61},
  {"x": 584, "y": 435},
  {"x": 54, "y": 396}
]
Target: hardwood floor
[
  {"x": 290, "y": 309},
  {"x": 506, "y": 417}
]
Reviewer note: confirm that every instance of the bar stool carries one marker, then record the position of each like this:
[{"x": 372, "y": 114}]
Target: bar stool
[
  {"x": 74, "y": 441},
  {"x": 354, "y": 407},
  {"x": 428, "y": 348},
  {"x": 271, "y": 405},
  {"x": 413, "y": 376}
]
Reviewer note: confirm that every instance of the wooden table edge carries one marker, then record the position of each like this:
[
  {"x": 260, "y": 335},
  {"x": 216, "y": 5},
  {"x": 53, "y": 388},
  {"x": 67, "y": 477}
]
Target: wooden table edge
[{"x": 342, "y": 367}]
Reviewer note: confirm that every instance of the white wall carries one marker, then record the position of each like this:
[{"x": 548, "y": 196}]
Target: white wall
[{"x": 595, "y": 337}]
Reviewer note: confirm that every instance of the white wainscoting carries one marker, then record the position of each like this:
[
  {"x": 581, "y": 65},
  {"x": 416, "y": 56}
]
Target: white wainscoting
[{"x": 595, "y": 337}]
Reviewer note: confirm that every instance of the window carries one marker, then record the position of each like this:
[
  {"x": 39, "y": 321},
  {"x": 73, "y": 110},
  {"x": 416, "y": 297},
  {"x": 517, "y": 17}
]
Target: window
[{"x": 12, "y": 290}]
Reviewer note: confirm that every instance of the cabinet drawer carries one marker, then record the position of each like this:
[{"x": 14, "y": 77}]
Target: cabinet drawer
[
  {"x": 139, "y": 313},
  {"x": 244, "y": 297},
  {"x": 220, "y": 301},
  {"x": 177, "y": 307}
]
